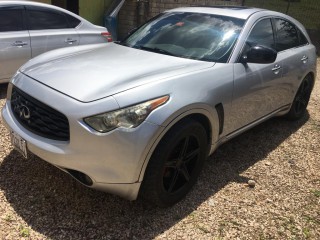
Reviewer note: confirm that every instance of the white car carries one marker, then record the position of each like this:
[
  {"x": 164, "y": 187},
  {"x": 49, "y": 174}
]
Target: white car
[{"x": 28, "y": 29}]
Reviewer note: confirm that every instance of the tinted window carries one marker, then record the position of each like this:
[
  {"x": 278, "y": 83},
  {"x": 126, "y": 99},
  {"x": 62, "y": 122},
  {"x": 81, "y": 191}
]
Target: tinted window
[
  {"x": 302, "y": 38},
  {"x": 46, "y": 19},
  {"x": 73, "y": 22},
  {"x": 11, "y": 20},
  {"x": 287, "y": 35},
  {"x": 188, "y": 35},
  {"x": 262, "y": 34}
]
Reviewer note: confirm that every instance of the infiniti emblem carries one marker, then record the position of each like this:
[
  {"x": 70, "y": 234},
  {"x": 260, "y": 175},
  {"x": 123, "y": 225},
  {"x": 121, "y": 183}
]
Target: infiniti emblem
[{"x": 24, "y": 112}]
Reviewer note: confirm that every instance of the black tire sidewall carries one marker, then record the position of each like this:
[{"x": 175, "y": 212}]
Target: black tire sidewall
[
  {"x": 293, "y": 114},
  {"x": 163, "y": 150}
]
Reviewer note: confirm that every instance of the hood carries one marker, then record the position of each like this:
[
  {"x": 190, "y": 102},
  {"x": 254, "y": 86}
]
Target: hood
[{"x": 98, "y": 71}]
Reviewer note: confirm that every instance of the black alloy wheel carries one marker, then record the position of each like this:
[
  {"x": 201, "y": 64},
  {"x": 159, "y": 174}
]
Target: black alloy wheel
[
  {"x": 175, "y": 164},
  {"x": 180, "y": 164}
]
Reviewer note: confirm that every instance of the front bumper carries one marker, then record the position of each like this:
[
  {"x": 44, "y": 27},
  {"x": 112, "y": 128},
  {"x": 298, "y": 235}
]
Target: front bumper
[{"x": 113, "y": 160}]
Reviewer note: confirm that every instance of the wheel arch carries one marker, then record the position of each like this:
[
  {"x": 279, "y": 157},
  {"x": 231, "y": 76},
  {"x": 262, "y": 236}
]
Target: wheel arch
[
  {"x": 313, "y": 77},
  {"x": 290, "y": 112},
  {"x": 208, "y": 117}
]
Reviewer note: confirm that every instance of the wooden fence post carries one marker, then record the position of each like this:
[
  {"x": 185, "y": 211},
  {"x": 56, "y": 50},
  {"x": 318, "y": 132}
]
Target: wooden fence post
[{"x": 288, "y": 6}]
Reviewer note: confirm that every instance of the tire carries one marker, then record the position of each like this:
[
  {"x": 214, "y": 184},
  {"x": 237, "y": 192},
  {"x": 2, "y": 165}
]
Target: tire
[
  {"x": 301, "y": 100},
  {"x": 175, "y": 164}
]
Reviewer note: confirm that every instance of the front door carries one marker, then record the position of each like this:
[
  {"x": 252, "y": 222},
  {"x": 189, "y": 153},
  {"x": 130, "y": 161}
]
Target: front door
[{"x": 255, "y": 85}]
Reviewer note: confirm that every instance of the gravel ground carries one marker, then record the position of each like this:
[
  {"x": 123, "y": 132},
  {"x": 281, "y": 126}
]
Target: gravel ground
[{"x": 38, "y": 201}]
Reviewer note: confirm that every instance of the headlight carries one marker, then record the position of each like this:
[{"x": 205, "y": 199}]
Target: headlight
[{"x": 129, "y": 117}]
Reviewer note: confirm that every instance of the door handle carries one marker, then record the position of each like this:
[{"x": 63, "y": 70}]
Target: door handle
[
  {"x": 276, "y": 69},
  {"x": 19, "y": 44},
  {"x": 304, "y": 58},
  {"x": 70, "y": 41}
]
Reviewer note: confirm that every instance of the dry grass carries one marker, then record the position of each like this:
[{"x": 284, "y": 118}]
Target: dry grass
[{"x": 37, "y": 201}]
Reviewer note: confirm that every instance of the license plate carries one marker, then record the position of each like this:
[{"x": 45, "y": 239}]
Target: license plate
[{"x": 19, "y": 143}]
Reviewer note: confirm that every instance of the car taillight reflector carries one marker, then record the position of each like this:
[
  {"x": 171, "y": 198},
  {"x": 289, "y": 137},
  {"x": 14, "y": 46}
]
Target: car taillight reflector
[{"x": 107, "y": 35}]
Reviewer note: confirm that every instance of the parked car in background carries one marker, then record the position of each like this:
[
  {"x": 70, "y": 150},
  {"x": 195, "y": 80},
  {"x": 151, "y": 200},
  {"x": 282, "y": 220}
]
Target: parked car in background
[
  {"x": 140, "y": 116},
  {"x": 28, "y": 29}
]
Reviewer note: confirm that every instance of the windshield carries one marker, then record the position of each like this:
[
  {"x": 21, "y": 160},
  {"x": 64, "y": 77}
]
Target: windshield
[{"x": 198, "y": 36}]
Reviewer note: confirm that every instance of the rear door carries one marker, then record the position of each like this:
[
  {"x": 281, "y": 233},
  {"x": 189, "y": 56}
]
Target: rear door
[
  {"x": 292, "y": 47},
  {"x": 14, "y": 41},
  {"x": 49, "y": 29}
]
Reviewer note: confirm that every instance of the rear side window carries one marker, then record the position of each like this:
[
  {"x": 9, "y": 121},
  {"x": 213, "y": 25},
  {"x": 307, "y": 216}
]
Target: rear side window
[
  {"x": 302, "y": 38},
  {"x": 262, "y": 34},
  {"x": 11, "y": 20},
  {"x": 287, "y": 35},
  {"x": 73, "y": 22},
  {"x": 46, "y": 19}
]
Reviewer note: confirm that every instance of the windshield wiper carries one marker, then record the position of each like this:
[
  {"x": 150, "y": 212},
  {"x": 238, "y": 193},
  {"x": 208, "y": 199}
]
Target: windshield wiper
[{"x": 156, "y": 50}]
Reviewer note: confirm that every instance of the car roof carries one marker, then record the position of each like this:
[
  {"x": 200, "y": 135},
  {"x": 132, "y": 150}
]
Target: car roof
[
  {"x": 230, "y": 11},
  {"x": 31, "y": 3},
  {"x": 23, "y": 2}
]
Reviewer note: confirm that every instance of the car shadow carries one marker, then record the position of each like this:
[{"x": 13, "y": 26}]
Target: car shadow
[
  {"x": 3, "y": 90},
  {"x": 58, "y": 207}
]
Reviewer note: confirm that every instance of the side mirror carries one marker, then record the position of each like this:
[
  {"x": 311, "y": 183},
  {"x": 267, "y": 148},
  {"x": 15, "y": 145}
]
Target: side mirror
[{"x": 259, "y": 54}]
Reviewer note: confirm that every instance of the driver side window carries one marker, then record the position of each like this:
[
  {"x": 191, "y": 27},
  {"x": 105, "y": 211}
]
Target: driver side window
[{"x": 262, "y": 34}]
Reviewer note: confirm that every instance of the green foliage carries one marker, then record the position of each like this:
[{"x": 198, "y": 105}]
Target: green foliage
[
  {"x": 306, "y": 233},
  {"x": 306, "y": 11},
  {"x": 24, "y": 232},
  {"x": 8, "y": 218},
  {"x": 316, "y": 193}
]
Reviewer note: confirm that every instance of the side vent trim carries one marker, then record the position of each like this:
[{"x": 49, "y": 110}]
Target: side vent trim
[{"x": 220, "y": 111}]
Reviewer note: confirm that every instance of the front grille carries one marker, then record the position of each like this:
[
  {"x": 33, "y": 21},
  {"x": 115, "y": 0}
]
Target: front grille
[{"x": 38, "y": 117}]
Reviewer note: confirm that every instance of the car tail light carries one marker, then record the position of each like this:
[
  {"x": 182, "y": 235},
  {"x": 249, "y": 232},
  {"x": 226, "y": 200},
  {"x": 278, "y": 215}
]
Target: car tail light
[{"x": 107, "y": 35}]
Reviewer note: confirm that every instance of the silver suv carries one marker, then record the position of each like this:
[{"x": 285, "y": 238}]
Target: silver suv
[
  {"x": 142, "y": 115},
  {"x": 28, "y": 29}
]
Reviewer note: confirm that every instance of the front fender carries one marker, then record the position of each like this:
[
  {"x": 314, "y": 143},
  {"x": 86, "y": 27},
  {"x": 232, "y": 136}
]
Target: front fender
[{"x": 210, "y": 113}]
